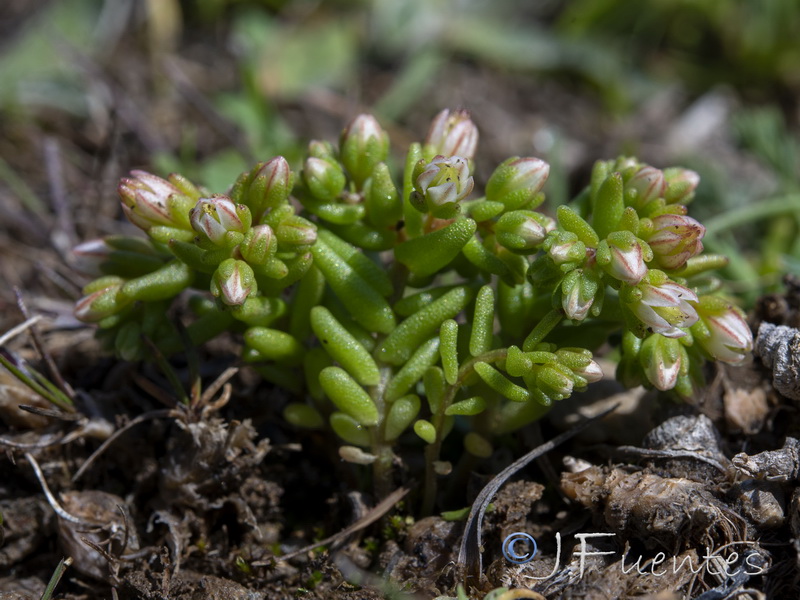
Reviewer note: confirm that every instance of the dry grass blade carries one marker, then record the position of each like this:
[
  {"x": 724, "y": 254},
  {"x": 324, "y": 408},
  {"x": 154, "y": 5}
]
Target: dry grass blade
[
  {"x": 373, "y": 515},
  {"x": 156, "y": 414},
  {"x": 469, "y": 556}
]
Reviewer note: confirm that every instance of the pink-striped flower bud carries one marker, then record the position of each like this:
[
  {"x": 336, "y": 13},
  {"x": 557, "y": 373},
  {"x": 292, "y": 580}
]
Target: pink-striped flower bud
[
  {"x": 662, "y": 359},
  {"x": 723, "y": 331},
  {"x": 663, "y": 305},
  {"x": 591, "y": 372},
  {"x": 149, "y": 201},
  {"x": 442, "y": 184},
  {"x": 622, "y": 256},
  {"x": 578, "y": 292},
  {"x": 564, "y": 247},
  {"x": 259, "y": 245},
  {"x": 216, "y": 218},
  {"x": 102, "y": 300},
  {"x": 648, "y": 184},
  {"x": 523, "y": 231},
  {"x": 517, "y": 181},
  {"x": 452, "y": 134},
  {"x": 233, "y": 281},
  {"x": 681, "y": 184},
  {"x": 675, "y": 239}
]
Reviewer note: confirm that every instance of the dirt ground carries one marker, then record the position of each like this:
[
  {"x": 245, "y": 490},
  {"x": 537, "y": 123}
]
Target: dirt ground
[{"x": 698, "y": 500}]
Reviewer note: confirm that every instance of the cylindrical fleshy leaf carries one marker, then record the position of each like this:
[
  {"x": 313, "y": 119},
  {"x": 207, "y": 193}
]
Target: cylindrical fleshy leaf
[
  {"x": 371, "y": 273},
  {"x": 469, "y": 407},
  {"x": 608, "y": 204},
  {"x": 348, "y": 396},
  {"x": 429, "y": 253},
  {"x": 166, "y": 282},
  {"x": 413, "y": 370},
  {"x": 480, "y": 340},
  {"x": 499, "y": 383},
  {"x": 401, "y": 414},
  {"x": 448, "y": 349},
  {"x": 303, "y": 415},
  {"x": 477, "y": 445},
  {"x": 425, "y": 430},
  {"x": 381, "y": 198},
  {"x": 343, "y": 347},
  {"x": 571, "y": 221},
  {"x": 273, "y": 344},
  {"x": 406, "y": 337},
  {"x": 349, "y": 429},
  {"x": 364, "y": 303}
]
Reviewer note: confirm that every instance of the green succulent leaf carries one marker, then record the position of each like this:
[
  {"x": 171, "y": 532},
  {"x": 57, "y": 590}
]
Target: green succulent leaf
[{"x": 349, "y": 396}]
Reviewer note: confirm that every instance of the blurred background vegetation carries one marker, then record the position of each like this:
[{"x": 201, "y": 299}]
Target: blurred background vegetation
[{"x": 92, "y": 88}]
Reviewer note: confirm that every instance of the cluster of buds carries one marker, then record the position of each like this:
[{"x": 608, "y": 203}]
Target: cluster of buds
[{"x": 622, "y": 256}]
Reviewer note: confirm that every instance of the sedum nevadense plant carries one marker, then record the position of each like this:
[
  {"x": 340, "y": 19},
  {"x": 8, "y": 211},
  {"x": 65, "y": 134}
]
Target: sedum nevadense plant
[{"x": 392, "y": 305}]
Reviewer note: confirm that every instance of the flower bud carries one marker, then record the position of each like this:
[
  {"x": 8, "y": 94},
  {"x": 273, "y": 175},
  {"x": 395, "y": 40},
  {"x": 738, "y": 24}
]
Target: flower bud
[
  {"x": 233, "y": 282},
  {"x": 266, "y": 187},
  {"x": 681, "y": 184},
  {"x": 675, "y": 239},
  {"x": 591, "y": 372},
  {"x": 452, "y": 134},
  {"x": 564, "y": 247},
  {"x": 577, "y": 293},
  {"x": 259, "y": 245},
  {"x": 101, "y": 302},
  {"x": 324, "y": 179},
  {"x": 662, "y": 359},
  {"x": 219, "y": 220},
  {"x": 363, "y": 145},
  {"x": 648, "y": 184},
  {"x": 663, "y": 305},
  {"x": 723, "y": 331},
  {"x": 517, "y": 181},
  {"x": 523, "y": 231},
  {"x": 621, "y": 256},
  {"x": 149, "y": 201},
  {"x": 441, "y": 184},
  {"x": 556, "y": 381}
]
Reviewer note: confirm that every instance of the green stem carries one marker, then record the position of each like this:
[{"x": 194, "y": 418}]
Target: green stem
[{"x": 433, "y": 450}]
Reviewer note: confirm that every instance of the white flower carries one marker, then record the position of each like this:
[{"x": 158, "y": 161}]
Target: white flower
[{"x": 665, "y": 308}]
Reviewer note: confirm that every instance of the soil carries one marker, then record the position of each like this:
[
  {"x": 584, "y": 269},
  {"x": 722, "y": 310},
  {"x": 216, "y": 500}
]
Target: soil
[{"x": 700, "y": 500}]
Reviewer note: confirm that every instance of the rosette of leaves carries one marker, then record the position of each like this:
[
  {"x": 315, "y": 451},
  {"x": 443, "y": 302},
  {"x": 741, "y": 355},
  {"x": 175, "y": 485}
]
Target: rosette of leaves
[{"x": 394, "y": 307}]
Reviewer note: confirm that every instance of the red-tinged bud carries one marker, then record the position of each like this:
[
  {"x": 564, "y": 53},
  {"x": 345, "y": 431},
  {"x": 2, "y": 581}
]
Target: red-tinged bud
[
  {"x": 648, "y": 184},
  {"x": 681, "y": 184},
  {"x": 101, "y": 303},
  {"x": 662, "y": 359},
  {"x": 723, "y": 331},
  {"x": 523, "y": 231},
  {"x": 259, "y": 245},
  {"x": 148, "y": 200},
  {"x": 233, "y": 282},
  {"x": 517, "y": 181},
  {"x": 578, "y": 292},
  {"x": 621, "y": 255},
  {"x": 452, "y": 134},
  {"x": 270, "y": 187},
  {"x": 675, "y": 239},
  {"x": 591, "y": 372},
  {"x": 88, "y": 256},
  {"x": 215, "y": 218}
]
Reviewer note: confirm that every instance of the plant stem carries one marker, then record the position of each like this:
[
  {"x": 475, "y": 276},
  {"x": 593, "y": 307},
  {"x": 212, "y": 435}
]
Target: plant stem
[{"x": 433, "y": 450}]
